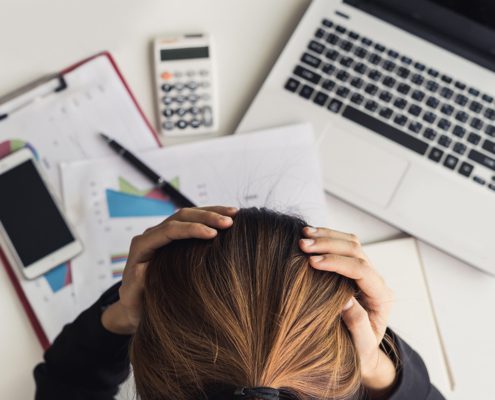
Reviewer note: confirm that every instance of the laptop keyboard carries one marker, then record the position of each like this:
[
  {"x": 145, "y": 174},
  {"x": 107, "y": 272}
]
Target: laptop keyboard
[{"x": 391, "y": 94}]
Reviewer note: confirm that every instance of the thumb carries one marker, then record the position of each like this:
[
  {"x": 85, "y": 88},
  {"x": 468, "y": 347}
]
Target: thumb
[{"x": 357, "y": 321}]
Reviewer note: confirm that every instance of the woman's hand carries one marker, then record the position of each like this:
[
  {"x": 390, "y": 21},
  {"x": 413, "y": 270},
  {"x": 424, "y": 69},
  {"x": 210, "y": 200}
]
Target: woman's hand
[
  {"x": 123, "y": 316},
  {"x": 342, "y": 253}
]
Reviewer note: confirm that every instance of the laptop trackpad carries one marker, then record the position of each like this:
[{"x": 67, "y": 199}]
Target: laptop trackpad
[{"x": 359, "y": 166}]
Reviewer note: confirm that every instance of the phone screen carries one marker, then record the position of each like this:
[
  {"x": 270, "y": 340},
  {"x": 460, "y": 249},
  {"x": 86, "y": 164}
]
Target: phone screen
[{"x": 29, "y": 215}]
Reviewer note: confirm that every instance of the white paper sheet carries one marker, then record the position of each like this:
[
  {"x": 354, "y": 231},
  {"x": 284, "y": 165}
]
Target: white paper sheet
[{"x": 277, "y": 168}]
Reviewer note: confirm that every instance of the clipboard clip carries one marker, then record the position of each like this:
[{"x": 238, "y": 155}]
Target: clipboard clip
[{"x": 28, "y": 94}]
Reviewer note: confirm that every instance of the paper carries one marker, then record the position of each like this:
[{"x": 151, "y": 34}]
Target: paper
[
  {"x": 64, "y": 127},
  {"x": 110, "y": 202},
  {"x": 413, "y": 318}
]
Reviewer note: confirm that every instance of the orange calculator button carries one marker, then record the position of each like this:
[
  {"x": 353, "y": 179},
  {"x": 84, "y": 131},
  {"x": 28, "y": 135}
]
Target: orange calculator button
[{"x": 166, "y": 75}]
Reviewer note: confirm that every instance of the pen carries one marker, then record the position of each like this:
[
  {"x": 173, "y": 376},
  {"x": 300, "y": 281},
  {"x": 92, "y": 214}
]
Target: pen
[{"x": 177, "y": 197}]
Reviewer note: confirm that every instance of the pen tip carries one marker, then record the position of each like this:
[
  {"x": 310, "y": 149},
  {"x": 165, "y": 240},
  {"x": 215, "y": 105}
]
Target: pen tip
[{"x": 104, "y": 136}]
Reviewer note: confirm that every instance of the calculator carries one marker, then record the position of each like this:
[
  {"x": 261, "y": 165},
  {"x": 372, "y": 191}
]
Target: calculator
[{"x": 185, "y": 85}]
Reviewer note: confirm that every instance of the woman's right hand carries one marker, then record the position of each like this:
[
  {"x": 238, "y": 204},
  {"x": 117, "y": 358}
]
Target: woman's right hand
[{"x": 123, "y": 316}]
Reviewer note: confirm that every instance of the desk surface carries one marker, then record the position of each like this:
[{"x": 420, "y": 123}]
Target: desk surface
[{"x": 42, "y": 37}]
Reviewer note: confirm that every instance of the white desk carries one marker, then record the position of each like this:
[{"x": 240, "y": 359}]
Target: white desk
[{"x": 42, "y": 37}]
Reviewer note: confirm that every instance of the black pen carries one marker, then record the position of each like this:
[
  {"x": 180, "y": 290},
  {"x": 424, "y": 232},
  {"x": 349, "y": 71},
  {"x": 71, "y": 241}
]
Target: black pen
[{"x": 177, "y": 197}]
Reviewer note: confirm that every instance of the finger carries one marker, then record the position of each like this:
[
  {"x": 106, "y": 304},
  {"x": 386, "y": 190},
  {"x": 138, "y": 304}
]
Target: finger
[
  {"x": 207, "y": 217},
  {"x": 357, "y": 321},
  {"x": 143, "y": 246},
  {"x": 324, "y": 245},
  {"x": 367, "y": 278},
  {"x": 314, "y": 232}
]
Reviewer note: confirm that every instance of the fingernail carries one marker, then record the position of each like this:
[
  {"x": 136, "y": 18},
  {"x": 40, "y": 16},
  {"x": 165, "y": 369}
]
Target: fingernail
[
  {"x": 316, "y": 258},
  {"x": 310, "y": 229},
  {"x": 228, "y": 219},
  {"x": 308, "y": 242},
  {"x": 348, "y": 305}
]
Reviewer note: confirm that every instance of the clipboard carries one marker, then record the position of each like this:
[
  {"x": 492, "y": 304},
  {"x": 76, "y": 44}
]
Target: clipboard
[{"x": 68, "y": 107}]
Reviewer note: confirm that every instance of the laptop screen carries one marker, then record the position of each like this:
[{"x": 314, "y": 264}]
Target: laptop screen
[{"x": 480, "y": 11}]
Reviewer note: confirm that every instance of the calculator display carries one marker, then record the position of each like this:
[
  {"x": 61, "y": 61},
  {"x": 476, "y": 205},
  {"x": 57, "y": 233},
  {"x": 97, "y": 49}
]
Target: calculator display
[{"x": 184, "y": 54}]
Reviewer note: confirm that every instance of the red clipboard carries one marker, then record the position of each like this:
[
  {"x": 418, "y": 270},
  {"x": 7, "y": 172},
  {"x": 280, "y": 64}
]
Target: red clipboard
[{"x": 38, "y": 329}]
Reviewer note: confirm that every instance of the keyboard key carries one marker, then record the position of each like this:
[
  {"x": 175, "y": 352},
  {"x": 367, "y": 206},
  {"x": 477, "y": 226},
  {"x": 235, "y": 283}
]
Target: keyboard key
[
  {"x": 462, "y": 116},
  {"x": 374, "y": 75},
  {"x": 371, "y": 89},
  {"x": 446, "y": 79},
  {"x": 386, "y": 112},
  {"x": 430, "y": 134},
  {"x": 388, "y": 65},
  {"x": 374, "y": 58},
  {"x": 360, "y": 52},
  {"x": 419, "y": 66},
  {"x": 418, "y": 95},
  {"x": 487, "y": 98},
  {"x": 335, "y": 105},
  {"x": 446, "y": 109},
  {"x": 444, "y": 124},
  {"x": 357, "y": 82},
  {"x": 306, "y": 91},
  {"x": 393, "y": 53},
  {"x": 168, "y": 112},
  {"x": 400, "y": 119},
  {"x": 353, "y": 35},
  {"x": 406, "y": 60},
  {"x": 461, "y": 99},
  {"x": 479, "y": 179},
  {"x": 475, "y": 106},
  {"x": 403, "y": 72},
  {"x": 389, "y": 81},
  {"x": 490, "y": 114},
  {"x": 319, "y": 33},
  {"x": 360, "y": 68},
  {"x": 430, "y": 117},
  {"x": 403, "y": 88},
  {"x": 415, "y": 126},
  {"x": 491, "y": 186},
  {"x": 327, "y": 23},
  {"x": 417, "y": 79},
  {"x": 415, "y": 110},
  {"x": 385, "y": 130},
  {"x": 332, "y": 38},
  {"x": 459, "y": 131},
  {"x": 291, "y": 85},
  {"x": 473, "y": 92},
  {"x": 345, "y": 45},
  {"x": 450, "y": 161},
  {"x": 466, "y": 169},
  {"x": 311, "y": 60},
  {"x": 400, "y": 103},
  {"x": 328, "y": 68},
  {"x": 366, "y": 41},
  {"x": 490, "y": 130},
  {"x": 320, "y": 98},
  {"x": 356, "y": 98},
  {"x": 446, "y": 92},
  {"x": 379, "y": 47},
  {"x": 332, "y": 54},
  {"x": 328, "y": 84},
  {"x": 460, "y": 85},
  {"x": 432, "y": 86},
  {"x": 480, "y": 158},
  {"x": 307, "y": 74},
  {"x": 316, "y": 47},
  {"x": 432, "y": 102},
  {"x": 488, "y": 145},
  {"x": 181, "y": 124},
  {"x": 473, "y": 138},
  {"x": 432, "y": 72},
  {"x": 444, "y": 141},
  {"x": 460, "y": 148},
  {"x": 371, "y": 105},
  {"x": 435, "y": 154},
  {"x": 340, "y": 29},
  {"x": 342, "y": 91},
  {"x": 342, "y": 75},
  {"x": 476, "y": 123},
  {"x": 385, "y": 96},
  {"x": 166, "y": 87},
  {"x": 346, "y": 61}
]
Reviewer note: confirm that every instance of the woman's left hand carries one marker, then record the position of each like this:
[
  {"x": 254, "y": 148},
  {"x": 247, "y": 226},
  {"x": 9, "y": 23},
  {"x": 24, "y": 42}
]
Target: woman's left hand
[{"x": 342, "y": 253}]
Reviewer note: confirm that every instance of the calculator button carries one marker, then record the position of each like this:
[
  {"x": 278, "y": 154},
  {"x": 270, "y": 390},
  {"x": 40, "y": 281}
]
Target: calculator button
[
  {"x": 194, "y": 110},
  {"x": 167, "y": 87},
  {"x": 180, "y": 99},
  {"x": 167, "y": 100},
  {"x": 178, "y": 74},
  {"x": 205, "y": 97},
  {"x": 166, "y": 76},
  {"x": 203, "y": 72},
  {"x": 193, "y": 98},
  {"x": 207, "y": 116},
  {"x": 168, "y": 125},
  {"x": 190, "y": 73},
  {"x": 205, "y": 84},
  {"x": 192, "y": 85},
  {"x": 181, "y": 112},
  {"x": 195, "y": 123},
  {"x": 179, "y": 86},
  {"x": 181, "y": 124},
  {"x": 168, "y": 112}
]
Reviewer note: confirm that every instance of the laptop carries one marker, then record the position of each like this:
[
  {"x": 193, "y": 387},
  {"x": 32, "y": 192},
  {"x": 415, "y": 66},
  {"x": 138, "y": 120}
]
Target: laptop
[{"x": 401, "y": 97}]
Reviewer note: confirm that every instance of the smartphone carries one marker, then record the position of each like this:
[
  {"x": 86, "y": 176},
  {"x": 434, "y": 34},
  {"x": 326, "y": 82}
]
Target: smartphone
[{"x": 34, "y": 233}]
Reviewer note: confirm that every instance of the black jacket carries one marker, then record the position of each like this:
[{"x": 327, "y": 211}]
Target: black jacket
[{"x": 87, "y": 362}]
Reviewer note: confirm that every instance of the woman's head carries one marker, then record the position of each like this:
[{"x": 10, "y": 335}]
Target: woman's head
[{"x": 243, "y": 309}]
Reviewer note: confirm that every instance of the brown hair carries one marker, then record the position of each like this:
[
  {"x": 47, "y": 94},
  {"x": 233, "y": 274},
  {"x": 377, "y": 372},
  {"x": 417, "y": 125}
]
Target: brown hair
[{"x": 243, "y": 309}]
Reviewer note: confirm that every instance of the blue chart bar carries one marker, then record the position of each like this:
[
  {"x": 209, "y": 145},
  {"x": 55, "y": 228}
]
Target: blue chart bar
[
  {"x": 58, "y": 277},
  {"x": 123, "y": 205}
]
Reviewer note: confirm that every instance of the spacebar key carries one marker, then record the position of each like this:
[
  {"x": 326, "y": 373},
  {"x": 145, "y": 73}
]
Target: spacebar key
[{"x": 385, "y": 130}]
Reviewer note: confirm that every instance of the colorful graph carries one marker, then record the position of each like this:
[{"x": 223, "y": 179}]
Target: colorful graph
[
  {"x": 118, "y": 263},
  {"x": 129, "y": 201},
  {"x": 9, "y": 146},
  {"x": 59, "y": 277}
]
